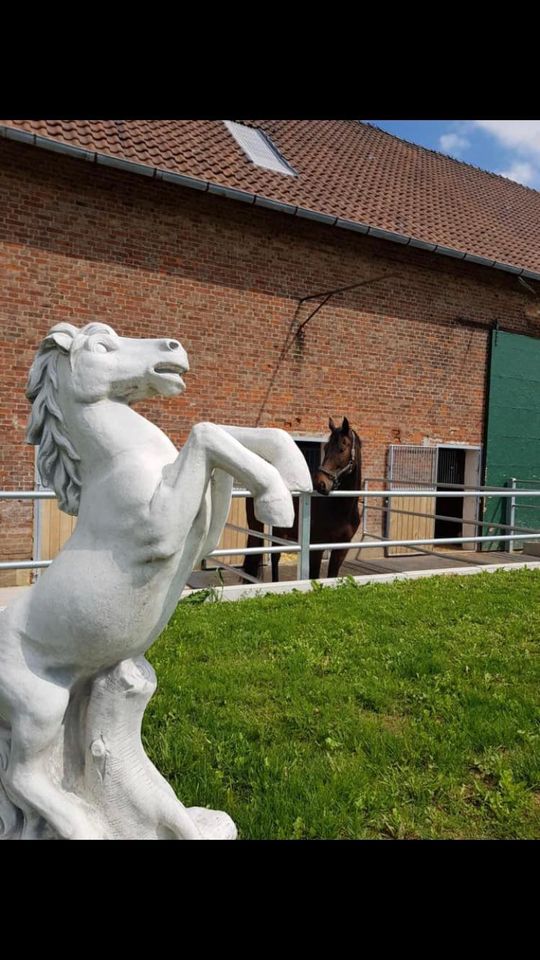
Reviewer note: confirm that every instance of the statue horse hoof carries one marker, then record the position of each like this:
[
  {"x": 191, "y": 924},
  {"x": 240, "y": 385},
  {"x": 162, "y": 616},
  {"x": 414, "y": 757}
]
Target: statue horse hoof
[
  {"x": 213, "y": 824},
  {"x": 276, "y": 511}
]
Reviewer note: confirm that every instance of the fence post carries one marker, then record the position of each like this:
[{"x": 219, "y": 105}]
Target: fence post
[
  {"x": 511, "y": 514},
  {"x": 365, "y": 502},
  {"x": 266, "y": 558},
  {"x": 37, "y": 533},
  {"x": 304, "y": 533}
]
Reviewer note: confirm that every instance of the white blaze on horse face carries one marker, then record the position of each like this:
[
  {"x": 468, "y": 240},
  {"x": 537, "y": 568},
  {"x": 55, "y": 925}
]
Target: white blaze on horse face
[{"x": 105, "y": 366}]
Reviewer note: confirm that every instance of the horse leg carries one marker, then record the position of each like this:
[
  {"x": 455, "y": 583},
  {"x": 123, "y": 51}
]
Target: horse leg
[
  {"x": 27, "y": 779},
  {"x": 336, "y": 559},
  {"x": 275, "y": 558},
  {"x": 315, "y": 561},
  {"x": 218, "y": 505},
  {"x": 278, "y": 448},
  {"x": 209, "y": 447},
  {"x": 253, "y": 561},
  {"x": 9, "y": 813}
]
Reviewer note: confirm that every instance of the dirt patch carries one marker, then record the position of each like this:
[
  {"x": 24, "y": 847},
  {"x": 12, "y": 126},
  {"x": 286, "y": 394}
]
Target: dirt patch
[{"x": 393, "y": 722}]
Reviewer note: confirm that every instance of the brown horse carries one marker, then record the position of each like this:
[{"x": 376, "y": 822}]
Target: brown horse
[{"x": 334, "y": 520}]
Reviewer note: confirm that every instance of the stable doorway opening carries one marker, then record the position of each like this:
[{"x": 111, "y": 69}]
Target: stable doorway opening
[
  {"x": 313, "y": 450},
  {"x": 450, "y": 471},
  {"x": 429, "y": 469}
]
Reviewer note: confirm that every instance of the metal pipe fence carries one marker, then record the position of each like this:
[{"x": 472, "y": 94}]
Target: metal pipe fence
[{"x": 303, "y": 547}]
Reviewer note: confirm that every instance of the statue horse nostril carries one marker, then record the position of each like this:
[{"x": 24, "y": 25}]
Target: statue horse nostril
[{"x": 173, "y": 345}]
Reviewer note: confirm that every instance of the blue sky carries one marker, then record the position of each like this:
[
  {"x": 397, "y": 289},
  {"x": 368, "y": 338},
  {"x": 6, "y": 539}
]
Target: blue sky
[{"x": 508, "y": 147}]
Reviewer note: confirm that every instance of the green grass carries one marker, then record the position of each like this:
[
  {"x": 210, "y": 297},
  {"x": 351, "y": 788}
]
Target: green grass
[{"x": 408, "y": 710}]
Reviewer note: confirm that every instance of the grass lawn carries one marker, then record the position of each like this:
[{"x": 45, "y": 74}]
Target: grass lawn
[{"x": 409, "y": 710}]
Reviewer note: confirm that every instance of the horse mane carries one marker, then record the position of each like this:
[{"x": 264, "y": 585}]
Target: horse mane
[
  {"x": 358, "y": 470},
  {"x": 57, "y": 458}
]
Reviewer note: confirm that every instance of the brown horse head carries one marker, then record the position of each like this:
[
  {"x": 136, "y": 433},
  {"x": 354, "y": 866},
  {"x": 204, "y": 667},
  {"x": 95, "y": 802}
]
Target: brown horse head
[{"x": 341, "y": 458}]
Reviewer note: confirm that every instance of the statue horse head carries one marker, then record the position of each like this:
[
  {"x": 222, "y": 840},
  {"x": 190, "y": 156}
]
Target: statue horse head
[{"x": 86, "y": 366}]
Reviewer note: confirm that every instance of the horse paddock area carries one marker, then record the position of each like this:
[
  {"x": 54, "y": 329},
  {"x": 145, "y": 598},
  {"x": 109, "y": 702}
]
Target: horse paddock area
[
  {"x": 438, "y": 560},
  {"x": 408, "y": 710}
]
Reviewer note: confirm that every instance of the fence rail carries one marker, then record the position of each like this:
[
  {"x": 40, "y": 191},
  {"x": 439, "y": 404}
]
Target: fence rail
[{"x": 303, "y": 547}]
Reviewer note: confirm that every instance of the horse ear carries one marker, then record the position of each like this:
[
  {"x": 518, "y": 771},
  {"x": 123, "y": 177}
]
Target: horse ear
[
  {"x": 331, "y": 424},
  {"x": 62, "y": 340},
  {"x": 345, "y": 428},
  {"x": 60, "y": 336}
]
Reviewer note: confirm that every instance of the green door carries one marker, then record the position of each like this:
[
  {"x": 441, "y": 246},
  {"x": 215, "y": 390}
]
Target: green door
[{"x": 513, "y": 428}]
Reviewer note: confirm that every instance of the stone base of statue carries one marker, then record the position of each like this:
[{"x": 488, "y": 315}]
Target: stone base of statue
[{"x": 101, "y": 762}]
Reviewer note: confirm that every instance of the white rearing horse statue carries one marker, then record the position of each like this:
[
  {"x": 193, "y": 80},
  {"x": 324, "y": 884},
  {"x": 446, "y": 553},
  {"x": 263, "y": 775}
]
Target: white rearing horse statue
[{"x": 73, "y": 679}]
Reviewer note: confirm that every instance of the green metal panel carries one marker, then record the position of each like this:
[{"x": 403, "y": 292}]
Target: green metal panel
[{"x": 513, "y": 427}]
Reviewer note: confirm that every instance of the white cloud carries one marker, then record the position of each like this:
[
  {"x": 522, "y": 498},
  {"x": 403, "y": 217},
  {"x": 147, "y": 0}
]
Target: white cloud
[
  {"x": 522, "y": 172},
  {"x": 453, "y": 143},
  {"x": 520, "y": 135},
  {"x": 521, "y": 140}
]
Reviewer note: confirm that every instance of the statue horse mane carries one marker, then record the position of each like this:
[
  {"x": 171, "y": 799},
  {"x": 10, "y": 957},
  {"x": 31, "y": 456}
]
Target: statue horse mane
[{"x": 57, "y": 458}]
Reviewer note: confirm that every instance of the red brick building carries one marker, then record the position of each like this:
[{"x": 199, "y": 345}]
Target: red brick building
[{"x": 177, "y": 228}]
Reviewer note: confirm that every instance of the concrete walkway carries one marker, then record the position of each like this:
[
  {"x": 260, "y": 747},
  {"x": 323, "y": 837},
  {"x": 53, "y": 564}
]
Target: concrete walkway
[
  {"x": 447, "y": 559},
  {"x": 246, "y": 590},
  {"x": 383, "y": 568}
]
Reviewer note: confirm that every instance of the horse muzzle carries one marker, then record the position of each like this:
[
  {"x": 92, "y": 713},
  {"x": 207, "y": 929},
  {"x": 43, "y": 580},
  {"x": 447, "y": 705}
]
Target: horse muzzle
[{"x": 323, "y": 485}]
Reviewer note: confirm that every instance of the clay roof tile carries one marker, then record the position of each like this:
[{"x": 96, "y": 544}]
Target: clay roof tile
[{"x": 344, "y": 168}]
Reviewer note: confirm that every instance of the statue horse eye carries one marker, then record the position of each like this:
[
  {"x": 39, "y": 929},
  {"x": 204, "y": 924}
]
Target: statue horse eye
[{"x": 100, "y": 346}]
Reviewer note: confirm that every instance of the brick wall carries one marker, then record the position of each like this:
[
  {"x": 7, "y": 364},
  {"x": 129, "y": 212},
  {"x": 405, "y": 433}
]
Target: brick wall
[{"x": 79, "y": 243}]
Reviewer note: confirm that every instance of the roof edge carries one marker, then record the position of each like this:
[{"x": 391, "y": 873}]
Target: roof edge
[
  {"x": 446, "y": 156},
  {"x": 231, "y": 193}
]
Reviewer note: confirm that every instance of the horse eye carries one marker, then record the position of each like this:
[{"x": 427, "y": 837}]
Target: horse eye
[{"x": 101, "y": 346}]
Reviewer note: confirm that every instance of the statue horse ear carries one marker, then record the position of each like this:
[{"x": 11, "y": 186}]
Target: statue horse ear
[{"x": 60, "y": 336}]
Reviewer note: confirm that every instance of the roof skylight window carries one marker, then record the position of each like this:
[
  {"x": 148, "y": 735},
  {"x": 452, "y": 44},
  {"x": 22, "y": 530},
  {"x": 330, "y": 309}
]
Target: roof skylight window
[{"x": 259, "y": 148}]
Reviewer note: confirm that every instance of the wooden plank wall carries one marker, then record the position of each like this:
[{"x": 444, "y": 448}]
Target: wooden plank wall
[
  {"x": 233, "y": 538},
  {"x": 406, "y": 527},
  {"x": 56, "y": 528}
]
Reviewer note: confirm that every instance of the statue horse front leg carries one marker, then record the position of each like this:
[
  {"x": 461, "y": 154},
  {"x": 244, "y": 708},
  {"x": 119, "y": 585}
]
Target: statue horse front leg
[
  {"x": 277, "y": 448},
  {"x": 266, "y": 462}
]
